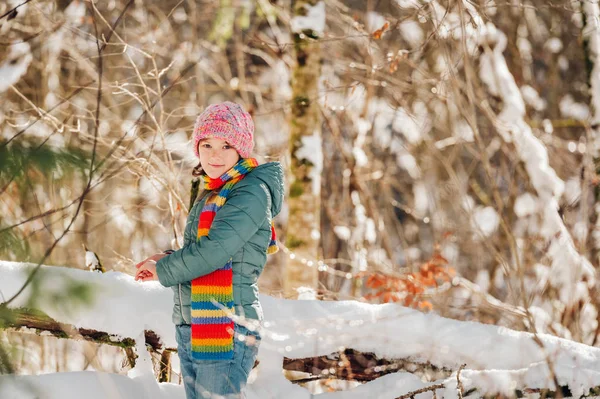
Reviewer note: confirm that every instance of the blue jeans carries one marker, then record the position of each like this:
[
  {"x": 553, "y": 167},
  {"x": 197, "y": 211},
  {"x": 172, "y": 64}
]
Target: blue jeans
[{"x": 216, "y": 378}]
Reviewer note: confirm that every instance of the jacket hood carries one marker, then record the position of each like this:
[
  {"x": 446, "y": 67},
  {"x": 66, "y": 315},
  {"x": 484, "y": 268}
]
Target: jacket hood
[{"x": 272, "y": 175}]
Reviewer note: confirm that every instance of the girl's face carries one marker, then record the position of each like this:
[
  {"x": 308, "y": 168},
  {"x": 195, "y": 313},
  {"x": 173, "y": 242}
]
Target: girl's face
[{"x": 216, "y": 156}]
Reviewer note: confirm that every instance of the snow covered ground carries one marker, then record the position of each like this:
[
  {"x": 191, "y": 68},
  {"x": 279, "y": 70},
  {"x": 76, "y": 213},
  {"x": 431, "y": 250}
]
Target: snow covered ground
[{"x": 498, "y": 359}]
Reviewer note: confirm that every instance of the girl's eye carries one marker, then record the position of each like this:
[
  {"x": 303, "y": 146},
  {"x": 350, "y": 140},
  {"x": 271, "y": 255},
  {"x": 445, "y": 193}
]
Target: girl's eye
[
  {"x": 227, "y": 147},
  {"x": 205, "y": 145}
]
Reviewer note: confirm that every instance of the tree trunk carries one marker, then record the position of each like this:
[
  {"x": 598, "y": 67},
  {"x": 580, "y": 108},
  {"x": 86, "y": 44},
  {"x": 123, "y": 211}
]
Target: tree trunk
[
  {"x": 336, "y": 206},
  {"x": 591, "y": 48},
  {"x": 304, "y": 204}
]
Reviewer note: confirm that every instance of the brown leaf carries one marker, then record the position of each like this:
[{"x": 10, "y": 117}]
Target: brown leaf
[
  {"x": 440, "y": 259},
  {"x": 379, "y": 32},
  {"x": 389, "y": 297}
]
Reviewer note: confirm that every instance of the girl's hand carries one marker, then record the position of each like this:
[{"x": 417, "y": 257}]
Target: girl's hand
[
  {"x": 146, "y": 269},
  {"x": 155, "y": 258},
  {"x": 147, "y": 272},
  {"x": 145, "y": 276}
]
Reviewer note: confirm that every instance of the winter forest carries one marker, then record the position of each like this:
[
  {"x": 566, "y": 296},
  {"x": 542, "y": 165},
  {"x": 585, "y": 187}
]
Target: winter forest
[{"x": 440, "y": 236}]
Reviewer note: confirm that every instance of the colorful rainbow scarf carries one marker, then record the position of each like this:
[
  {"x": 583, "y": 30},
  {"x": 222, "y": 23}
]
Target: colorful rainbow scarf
[{"x": 212, "y": 294}]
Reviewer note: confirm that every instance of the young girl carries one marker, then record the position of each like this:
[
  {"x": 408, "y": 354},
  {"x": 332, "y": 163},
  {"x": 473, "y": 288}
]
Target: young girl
[{"x": 227, "y": 237}]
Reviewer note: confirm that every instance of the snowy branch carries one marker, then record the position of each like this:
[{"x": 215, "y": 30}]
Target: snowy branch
[{"x": 571, "y": 272}]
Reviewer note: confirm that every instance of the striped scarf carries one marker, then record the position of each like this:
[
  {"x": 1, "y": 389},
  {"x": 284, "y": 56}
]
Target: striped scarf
[{"x": 212, "y": 294}]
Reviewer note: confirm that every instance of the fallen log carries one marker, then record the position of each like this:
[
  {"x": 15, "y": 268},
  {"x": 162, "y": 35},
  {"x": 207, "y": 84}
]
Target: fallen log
[
  {"x": 351, "y": 364},
  {"x": 347, "y": 365},
  {"x": 39, "y": 321}
]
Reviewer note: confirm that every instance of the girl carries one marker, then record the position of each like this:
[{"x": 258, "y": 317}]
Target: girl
[{"x": 227, "y": 237}]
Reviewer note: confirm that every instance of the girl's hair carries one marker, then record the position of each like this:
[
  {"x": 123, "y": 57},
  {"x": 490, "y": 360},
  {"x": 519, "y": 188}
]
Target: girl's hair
[{"x": 197, "y": 171}]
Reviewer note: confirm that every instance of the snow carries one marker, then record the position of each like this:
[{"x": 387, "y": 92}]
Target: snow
[
  {"x": 412, "y": 32},
  {"x": 374, "y": 21},
  {"x": 342, "y": 232},
  {"x": 491, "y": 8},
  {"x": 360, "y": 157},
  {"x": 313, "y": 20},
  {"x": 573, "y": 190},
  {"x": 91, "y": 261},
  {"x": 462, "y": 130},
  {"x": 361, "y": 230},
  {"x": 16, "y": 64},
  {"x": 122, "y": 219},
  {"x": 408, "y": 162},
  {"x": 569, "y": 108},
  {"x": 306, "y": 293},
  {"x": 151, "y": 188},
  {"x": 485, "y": 220},
  {"x": 143, "y": 362},
  {"x": 277, "y": 79},
  {"x": 554, "y": 45},
  {"x": 421, "y": 206},
  {"x": 442, "y": 20},
  {"x": 483, "y": 280},
  {"x": 568, "y": 267},
  {"x": 382, "y": 115},
  {"x": 299, "y": 329},
  {"x": 408, "y": 3},
  {"x": 75, "y": 12},
  {"x": 413, "y": 126},
  {"x": 370, "y": 231},
  {"x": 525, "y": 205},
  {"x": 531, "y": 97},
  {"x": 312, "y": 150},
  {"x": 87, "y": 384},
  {"x": 451, "y": 252},
  {"x": 178, "y": 145}
]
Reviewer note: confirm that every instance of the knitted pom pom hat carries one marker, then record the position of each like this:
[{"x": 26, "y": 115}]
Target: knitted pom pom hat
[{"x": 227, "y": 121}]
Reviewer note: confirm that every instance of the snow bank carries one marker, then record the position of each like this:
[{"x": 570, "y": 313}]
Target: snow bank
[
  {"x": 497, "y": 358},
  {"x": 85, "y": 384}
]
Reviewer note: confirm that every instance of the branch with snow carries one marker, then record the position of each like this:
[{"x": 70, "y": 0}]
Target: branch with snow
[{"x": 570, "y": 272}]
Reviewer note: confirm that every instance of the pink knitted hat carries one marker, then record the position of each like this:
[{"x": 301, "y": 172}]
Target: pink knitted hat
[{"x": 227, "y": 121}]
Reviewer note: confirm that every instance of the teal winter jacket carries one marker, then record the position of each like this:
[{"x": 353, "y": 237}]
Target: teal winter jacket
[{"x": 241, "y": 231}]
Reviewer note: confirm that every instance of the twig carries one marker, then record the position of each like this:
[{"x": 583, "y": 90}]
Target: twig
[
  {"x": 42, "y": 113},
  {"x": 411, "y": 394},
  {"x": 9, "y": 12}
]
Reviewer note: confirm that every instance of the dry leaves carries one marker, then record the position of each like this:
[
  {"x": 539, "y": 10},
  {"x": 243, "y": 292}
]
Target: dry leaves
[{"x": 407, "y": 289}]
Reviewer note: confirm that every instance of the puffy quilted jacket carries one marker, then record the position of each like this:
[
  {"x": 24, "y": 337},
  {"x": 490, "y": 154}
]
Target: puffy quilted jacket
[{"x": 241, "y": 231}]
